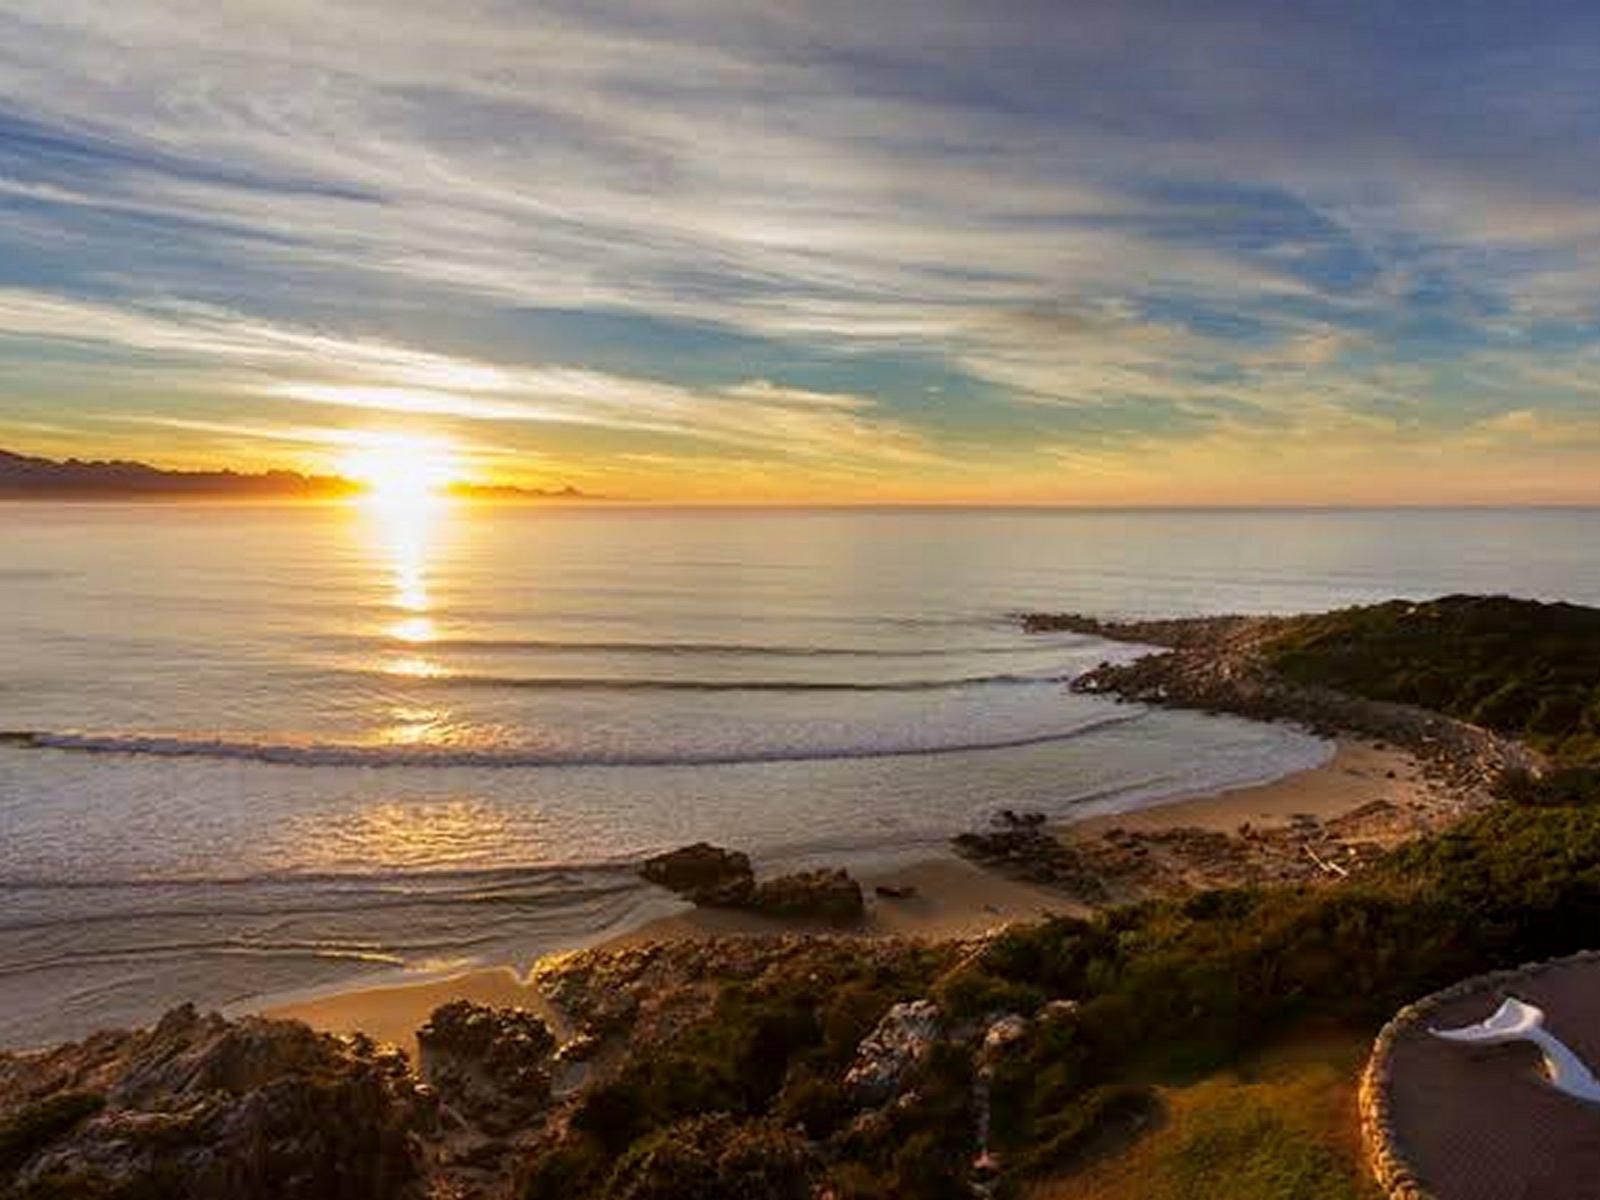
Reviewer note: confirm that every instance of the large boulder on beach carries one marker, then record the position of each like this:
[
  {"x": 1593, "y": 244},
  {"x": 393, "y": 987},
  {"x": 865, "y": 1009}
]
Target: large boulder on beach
[
  {"x": 831, "y": 895},
  {"x": 706, "y": 874}
]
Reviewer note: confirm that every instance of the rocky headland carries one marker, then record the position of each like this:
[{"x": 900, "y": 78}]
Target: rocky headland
[
  {"x": 1226, "y": 665},
  {"x": 500, "y": 1103},
  {"x": 1232, "y": 664}
]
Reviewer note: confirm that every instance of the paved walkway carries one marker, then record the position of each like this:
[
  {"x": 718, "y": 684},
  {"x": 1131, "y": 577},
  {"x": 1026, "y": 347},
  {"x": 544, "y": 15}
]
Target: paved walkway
[{"x": 1480, "y": 1123}]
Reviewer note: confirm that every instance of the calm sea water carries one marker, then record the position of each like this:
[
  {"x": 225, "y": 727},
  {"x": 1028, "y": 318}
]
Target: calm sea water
[{"x": 256, "y": 750}]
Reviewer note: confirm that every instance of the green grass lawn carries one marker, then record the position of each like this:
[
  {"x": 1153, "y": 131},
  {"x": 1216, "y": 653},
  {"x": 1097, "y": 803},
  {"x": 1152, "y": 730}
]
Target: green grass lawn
[{"x": 1279, "y": 1125}]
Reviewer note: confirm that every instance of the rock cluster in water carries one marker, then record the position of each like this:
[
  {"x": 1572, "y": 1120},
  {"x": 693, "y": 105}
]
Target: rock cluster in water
[{"x": 712, "y": 877}]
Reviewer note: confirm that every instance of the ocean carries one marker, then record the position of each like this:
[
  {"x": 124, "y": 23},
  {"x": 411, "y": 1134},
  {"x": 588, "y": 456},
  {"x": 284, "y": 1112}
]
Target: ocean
[{"x": 247, "y": 752}]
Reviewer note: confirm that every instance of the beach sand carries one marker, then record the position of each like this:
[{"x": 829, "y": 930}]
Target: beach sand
[
  {"x": 1358, "y": 773},
  {"x": 953, "y": 899},
  {"x": 394, "y": 1014}
]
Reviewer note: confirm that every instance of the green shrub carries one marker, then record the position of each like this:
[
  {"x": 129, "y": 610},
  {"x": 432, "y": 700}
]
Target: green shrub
[
  {"x": 1182, "y": 987},
  {"x": 1094, "y": 1122},
  {"x": 1253, "y": 1153},
  {"x": 1517, "y": 666}
]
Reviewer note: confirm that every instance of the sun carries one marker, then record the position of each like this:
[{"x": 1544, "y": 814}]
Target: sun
[{"x": 399, "y": 469}]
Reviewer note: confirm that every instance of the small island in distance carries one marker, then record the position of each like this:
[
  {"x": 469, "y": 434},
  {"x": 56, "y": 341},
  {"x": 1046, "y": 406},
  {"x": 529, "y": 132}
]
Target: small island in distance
[{"x": 25, "y": 477}]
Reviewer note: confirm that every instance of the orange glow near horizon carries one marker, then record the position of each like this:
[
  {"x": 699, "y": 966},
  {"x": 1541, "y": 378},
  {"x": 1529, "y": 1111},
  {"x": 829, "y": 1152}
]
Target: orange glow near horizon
[{"x": 400, "y": 471}]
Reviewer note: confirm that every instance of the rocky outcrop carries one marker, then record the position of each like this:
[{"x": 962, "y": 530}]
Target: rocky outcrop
[
  {"x": 1137, "y": 863},
  {"x": 1000, "y": 1037},
  {"x": 887, "y": 1055},
  {"x": 829, "y": 895},
  {"x": 199, "y": 1107},
  {"x": 712, "y": 877},
  {"x": 492, "y": 1065},
  {"x": 1122, "y": 864},
  {"x": 1018, "y": 845},
  {"x": 1220, "y": 664}
]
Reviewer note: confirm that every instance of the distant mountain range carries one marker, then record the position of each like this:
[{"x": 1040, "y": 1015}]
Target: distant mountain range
[{"x": 26, "y": 478}]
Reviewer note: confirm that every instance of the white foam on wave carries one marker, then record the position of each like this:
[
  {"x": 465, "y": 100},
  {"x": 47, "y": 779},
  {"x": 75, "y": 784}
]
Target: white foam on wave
[{"x": 321, "y": 754}]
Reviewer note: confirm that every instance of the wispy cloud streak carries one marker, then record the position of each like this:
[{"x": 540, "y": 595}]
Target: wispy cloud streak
[{"x": 1127, "y": 225}]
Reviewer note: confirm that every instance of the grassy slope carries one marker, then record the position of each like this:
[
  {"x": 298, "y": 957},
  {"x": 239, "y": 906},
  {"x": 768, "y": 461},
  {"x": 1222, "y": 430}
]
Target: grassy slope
[{"x": 1281, "y": 1123}]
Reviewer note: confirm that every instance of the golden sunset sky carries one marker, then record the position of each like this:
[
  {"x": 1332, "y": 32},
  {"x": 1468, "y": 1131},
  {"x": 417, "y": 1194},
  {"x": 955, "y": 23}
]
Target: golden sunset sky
[{"x": 1098, "y": 253}]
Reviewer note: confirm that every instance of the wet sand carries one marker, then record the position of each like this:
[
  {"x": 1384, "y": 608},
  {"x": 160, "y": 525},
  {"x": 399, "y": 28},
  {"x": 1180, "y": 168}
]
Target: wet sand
[{"x": 1358, "y": 773}]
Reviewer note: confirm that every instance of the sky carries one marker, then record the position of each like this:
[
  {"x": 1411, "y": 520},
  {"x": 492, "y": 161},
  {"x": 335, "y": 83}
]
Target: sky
[{"x": 804, "y": 251}]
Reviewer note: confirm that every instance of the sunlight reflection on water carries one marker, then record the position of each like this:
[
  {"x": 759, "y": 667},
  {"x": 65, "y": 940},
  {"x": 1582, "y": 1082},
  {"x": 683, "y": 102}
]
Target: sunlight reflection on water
[{"x": 403, "y": 529}]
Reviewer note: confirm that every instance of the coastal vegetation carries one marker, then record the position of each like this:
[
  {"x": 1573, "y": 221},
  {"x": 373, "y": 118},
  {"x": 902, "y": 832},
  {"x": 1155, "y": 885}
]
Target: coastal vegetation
[
  {"x": 1045, "y": 1063},
  {"x": 1123, "y": 1011},
  {"x": 1516, "y": 666},
  {"x": 1279, "y": 1123},
  {"x": 1125, "y": 1005}
]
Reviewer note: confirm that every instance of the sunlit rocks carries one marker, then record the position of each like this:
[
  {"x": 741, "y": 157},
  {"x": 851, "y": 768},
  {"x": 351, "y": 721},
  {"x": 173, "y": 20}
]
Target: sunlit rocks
[
  {"x": 887, "y": 1055},
  {"x": 713, "y": 877},
  {"x": 705, "y": 874},
  {"x": 200, "y": 1107}
]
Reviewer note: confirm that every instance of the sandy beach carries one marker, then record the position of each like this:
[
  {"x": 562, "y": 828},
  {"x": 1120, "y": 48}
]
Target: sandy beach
[
  {"x": 952, "y": 898},
  {"x": 1357, "y": 774}
]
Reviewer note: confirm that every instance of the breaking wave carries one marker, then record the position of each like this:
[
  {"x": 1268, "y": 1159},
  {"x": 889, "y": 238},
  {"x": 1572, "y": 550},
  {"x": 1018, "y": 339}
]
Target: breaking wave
[
  {"x": 325, "y": 754},
  {"x": 585, "y": 683}
]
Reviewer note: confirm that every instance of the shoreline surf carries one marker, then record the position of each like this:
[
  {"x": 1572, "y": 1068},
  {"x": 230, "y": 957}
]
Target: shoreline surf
[{"x": 953, "y": 899}]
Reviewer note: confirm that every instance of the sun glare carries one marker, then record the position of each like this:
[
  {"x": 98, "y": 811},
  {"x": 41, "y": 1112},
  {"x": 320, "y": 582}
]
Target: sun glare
[
  {"x": 404, "y": 480},
  {"x": 401, "y": 470}
]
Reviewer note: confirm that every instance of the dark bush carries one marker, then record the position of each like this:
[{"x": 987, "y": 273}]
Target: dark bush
[{"x": 717, "y": 1158}]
